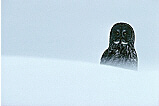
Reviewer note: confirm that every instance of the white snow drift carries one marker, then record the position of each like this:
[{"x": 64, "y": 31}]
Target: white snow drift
[{"x": 37, "y": 81}]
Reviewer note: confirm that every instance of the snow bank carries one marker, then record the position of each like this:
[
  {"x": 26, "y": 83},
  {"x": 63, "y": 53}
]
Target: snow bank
[{"x": 40, "y": 81}]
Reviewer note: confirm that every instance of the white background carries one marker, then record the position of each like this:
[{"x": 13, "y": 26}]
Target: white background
[
  {"x": 51, "y": 51},
  {"x": 77, "y": 29}
]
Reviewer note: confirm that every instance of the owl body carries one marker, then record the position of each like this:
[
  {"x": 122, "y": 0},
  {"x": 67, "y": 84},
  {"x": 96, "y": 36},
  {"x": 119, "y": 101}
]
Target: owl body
[{"x": 121, "y": 51}]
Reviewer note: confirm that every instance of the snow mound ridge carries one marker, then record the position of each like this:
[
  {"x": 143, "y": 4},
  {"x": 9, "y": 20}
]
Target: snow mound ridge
[{"x": 37, "y": 81}]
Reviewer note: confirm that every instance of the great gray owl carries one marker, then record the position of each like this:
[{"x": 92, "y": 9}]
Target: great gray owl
[{"x": 121, "y": 51}]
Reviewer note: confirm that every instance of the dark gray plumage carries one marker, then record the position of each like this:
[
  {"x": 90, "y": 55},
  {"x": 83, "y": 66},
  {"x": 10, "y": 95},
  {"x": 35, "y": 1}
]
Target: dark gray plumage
[{"x": 121, "y": 51}]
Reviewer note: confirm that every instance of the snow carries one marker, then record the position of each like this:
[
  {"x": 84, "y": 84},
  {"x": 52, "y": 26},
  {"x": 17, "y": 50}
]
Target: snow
[
  {"x": 42, "y": 81},
  {"x": 51, "y": 51}
]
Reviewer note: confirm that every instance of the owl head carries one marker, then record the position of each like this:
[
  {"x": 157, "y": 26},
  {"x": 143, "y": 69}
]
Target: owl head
[{"x": 122, "y": 34}]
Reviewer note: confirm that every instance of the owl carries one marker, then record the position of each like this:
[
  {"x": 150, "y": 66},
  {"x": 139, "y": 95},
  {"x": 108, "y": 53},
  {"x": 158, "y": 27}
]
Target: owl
[{"x": 121, "y": 51}]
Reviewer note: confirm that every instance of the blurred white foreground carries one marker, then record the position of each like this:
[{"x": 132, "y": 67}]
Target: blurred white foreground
[{"x": 37, "y": 81}]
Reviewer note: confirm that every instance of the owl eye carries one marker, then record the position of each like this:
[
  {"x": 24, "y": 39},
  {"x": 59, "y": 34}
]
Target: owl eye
[{"x": 124, "y": 33}]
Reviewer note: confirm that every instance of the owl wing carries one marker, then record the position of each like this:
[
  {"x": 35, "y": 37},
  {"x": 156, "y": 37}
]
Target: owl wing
[{"x": 105, "y": 57}]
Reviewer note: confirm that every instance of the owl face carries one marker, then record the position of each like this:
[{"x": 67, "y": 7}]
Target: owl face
[{"x": 122, "y": 34}]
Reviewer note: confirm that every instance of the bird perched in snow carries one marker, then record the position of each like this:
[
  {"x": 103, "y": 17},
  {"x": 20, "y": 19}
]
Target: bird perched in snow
[{"x": 121, "y": 51}]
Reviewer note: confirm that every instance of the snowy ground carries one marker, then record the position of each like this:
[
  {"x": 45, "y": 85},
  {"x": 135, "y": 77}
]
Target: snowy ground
[
  {"x": 51, "y": 51},
  {"x": 38, "y": 81}
]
